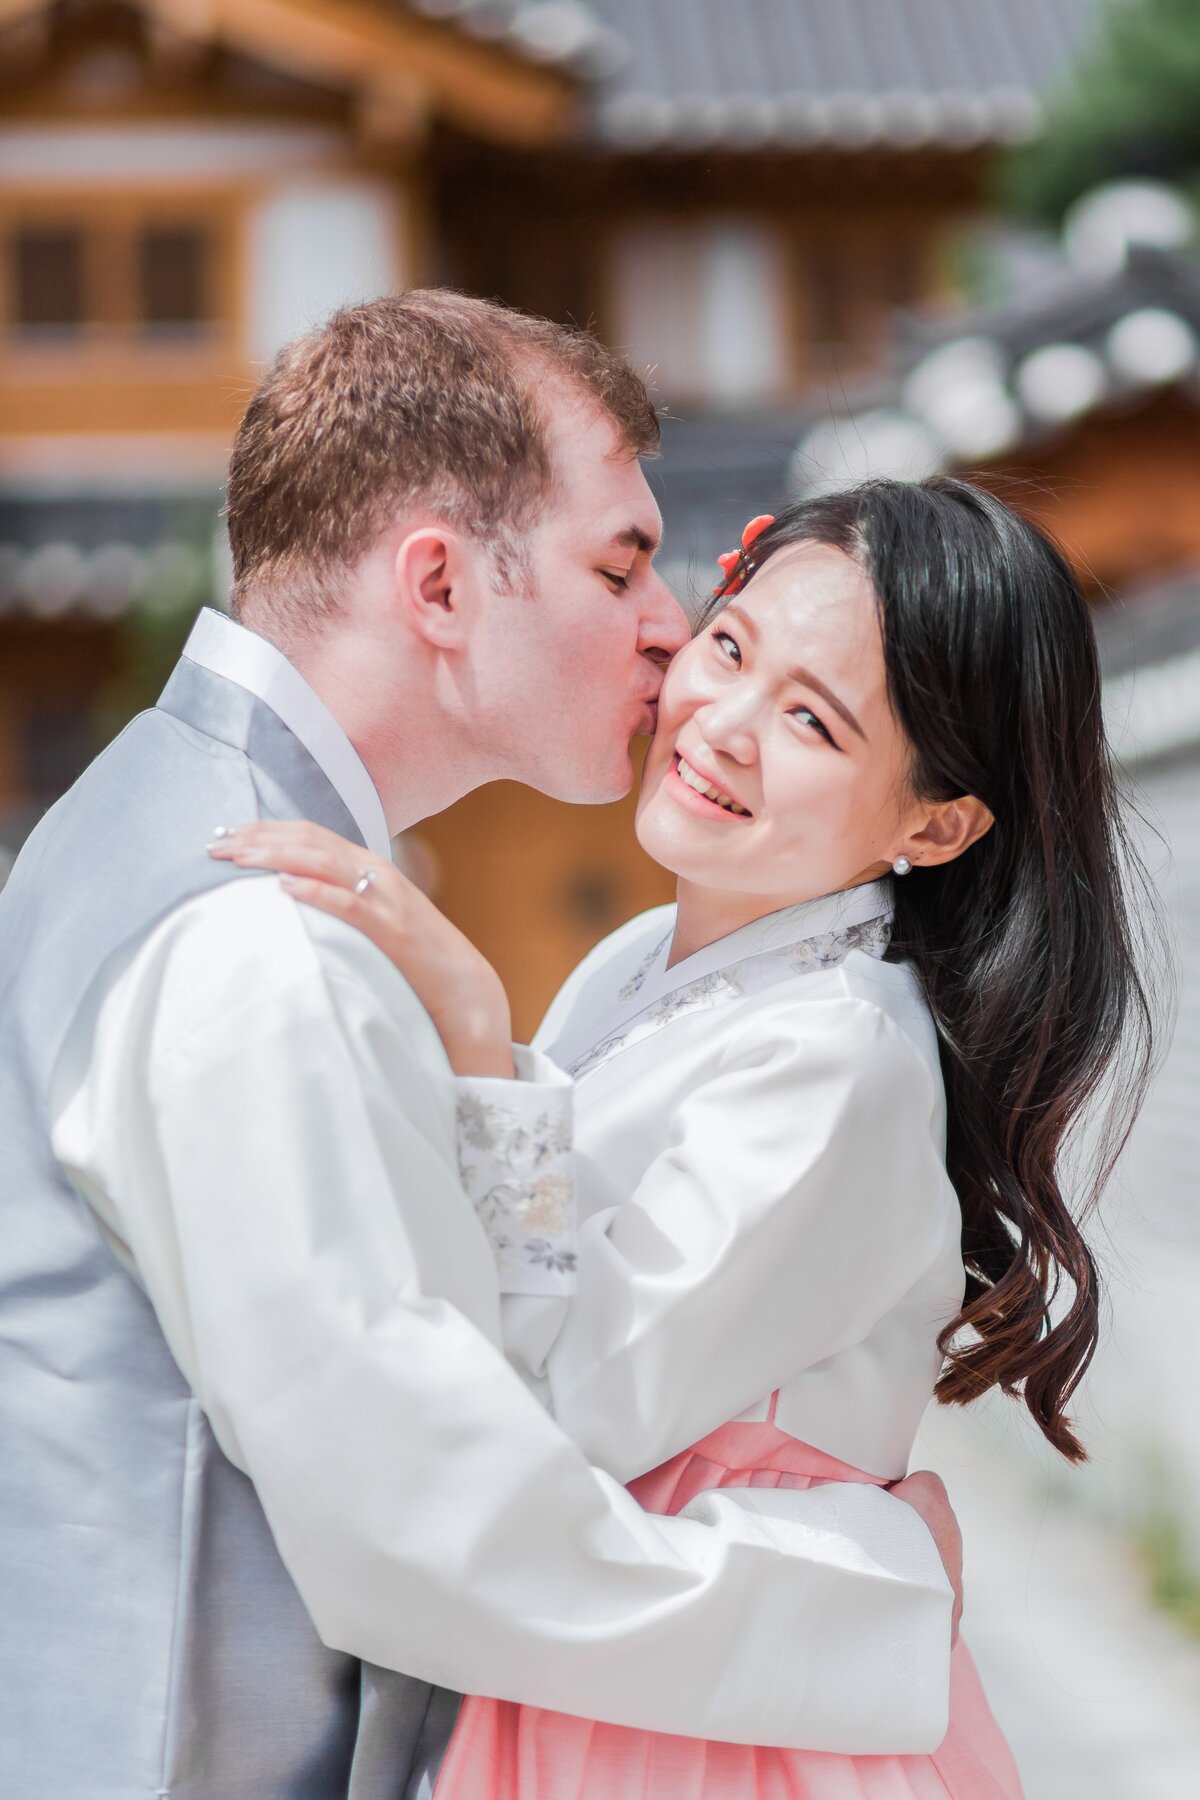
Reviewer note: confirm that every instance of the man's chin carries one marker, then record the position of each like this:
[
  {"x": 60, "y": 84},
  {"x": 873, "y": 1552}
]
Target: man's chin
[{"x": 593, "y": 788}]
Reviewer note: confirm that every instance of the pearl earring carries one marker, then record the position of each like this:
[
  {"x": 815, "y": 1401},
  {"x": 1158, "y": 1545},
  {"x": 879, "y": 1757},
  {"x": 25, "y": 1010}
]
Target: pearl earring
[{"x": 901, "y": 866}]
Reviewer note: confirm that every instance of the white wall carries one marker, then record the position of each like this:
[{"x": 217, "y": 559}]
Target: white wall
[
  {"x": 703, "y": 303},
  {"x": 313, "y": 246},
  {"x": 89, "y": 156}
]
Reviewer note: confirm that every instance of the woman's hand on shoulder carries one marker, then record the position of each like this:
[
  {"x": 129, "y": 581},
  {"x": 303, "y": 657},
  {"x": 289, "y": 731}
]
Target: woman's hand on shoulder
[{"x": 454, "y": 981}]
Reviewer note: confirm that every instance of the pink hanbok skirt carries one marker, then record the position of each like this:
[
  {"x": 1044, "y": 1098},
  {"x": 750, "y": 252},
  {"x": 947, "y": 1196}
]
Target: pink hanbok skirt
[{"x": 502, "y": 1751}]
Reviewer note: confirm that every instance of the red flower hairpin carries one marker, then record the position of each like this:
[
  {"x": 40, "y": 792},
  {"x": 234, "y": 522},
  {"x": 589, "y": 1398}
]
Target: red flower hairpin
[{"x": 735, "y": 564}]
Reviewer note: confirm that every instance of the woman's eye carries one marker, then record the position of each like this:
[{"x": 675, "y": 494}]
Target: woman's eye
[
  {"x": 728, "y": 644},
  {"x": 807, "y": 716},
  {"x": 618, "y": 577}
]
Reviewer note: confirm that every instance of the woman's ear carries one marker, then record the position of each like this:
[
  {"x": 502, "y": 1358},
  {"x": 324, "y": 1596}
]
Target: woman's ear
[
  {"x": 951, "y": 826},
  {"x": 435, "y": 586}
]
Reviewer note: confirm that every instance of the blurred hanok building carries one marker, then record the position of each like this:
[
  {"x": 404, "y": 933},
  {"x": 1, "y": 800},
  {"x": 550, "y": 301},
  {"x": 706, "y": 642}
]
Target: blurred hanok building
[{"x": 764, "y": 200}]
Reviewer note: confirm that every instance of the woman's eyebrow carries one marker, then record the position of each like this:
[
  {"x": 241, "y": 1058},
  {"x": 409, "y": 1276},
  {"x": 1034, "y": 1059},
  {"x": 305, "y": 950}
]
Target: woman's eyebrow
[
  {"x": 806, "y": 678},
  {"x": 743, "y": 618}
]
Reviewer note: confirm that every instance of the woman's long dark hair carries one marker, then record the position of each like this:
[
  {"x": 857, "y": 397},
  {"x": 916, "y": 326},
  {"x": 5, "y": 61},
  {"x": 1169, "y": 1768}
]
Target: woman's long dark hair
[{"x": 1026, "y": 945}]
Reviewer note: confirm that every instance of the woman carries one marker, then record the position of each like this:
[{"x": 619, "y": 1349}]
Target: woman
[{"x": 822, "y": 1103}]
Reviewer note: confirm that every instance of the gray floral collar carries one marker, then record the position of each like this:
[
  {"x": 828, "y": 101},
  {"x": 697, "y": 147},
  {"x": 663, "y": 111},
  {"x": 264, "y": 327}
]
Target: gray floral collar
[{"x": 770, "y": 950}]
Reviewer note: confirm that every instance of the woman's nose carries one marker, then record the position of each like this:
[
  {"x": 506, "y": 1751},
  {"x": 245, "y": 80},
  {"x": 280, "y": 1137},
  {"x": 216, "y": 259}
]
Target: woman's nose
[{"x": 729, "y": 724}]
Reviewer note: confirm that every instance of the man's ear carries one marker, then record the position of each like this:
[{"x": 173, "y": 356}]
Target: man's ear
[
  {"x": 435, "y": 584},
  {"x": 951, "y": 826}
]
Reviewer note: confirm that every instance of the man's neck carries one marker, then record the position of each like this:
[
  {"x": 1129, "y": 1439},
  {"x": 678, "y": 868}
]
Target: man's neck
[{"x": 413, "y": 754}]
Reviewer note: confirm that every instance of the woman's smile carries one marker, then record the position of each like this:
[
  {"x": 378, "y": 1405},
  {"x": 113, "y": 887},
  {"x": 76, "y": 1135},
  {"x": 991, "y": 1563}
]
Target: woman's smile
[{"x": 690, "y": 787}]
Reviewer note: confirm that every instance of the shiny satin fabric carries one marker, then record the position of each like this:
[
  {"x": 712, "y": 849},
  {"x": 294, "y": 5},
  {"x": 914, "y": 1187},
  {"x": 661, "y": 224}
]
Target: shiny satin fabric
[{"x": 151, "y": 1640}]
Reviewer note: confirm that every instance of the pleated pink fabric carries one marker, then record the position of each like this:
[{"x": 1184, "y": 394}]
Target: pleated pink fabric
[{"x": 501, "y": 1751}]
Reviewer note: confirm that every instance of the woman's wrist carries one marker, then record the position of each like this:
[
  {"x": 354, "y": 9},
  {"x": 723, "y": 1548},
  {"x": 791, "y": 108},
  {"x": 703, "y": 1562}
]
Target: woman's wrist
[
  {"x": 482, "y": 1058},
  {"x": 480, "y": 1045}
]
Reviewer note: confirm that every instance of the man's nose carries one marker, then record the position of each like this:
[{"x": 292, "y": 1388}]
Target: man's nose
[{"x": 664, "y": 627}]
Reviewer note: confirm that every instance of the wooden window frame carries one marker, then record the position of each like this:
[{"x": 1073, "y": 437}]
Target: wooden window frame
[{"x": 112, "y": 337}]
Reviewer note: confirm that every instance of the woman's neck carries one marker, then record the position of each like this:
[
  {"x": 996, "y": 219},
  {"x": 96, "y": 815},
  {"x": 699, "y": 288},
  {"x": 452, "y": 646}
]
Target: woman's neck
[{"x": 705, "y": 914}]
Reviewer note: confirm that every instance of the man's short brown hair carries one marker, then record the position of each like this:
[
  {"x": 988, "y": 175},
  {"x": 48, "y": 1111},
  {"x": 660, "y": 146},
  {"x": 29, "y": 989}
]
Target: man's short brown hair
[{"x": 428, "y": 396}]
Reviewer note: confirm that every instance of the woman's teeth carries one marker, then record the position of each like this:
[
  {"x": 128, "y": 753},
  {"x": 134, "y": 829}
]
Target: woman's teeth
[{"x": 686, "y": 773}]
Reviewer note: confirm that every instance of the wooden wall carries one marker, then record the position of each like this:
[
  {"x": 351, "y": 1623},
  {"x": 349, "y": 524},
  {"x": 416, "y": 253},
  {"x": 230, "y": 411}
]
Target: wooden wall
[
  {"x": 862, "y": 232},
  {"x": 1120, "y": 492},
  {"x": 50, "y": 679},
  {"x": 536, "y": 883}
]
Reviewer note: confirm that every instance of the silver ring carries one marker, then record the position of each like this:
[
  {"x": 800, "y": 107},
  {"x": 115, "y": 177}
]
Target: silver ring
[{"x": 366, "y": 877}]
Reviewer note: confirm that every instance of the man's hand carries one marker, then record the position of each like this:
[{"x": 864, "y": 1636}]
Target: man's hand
[{"x": 927, "y": 1494}]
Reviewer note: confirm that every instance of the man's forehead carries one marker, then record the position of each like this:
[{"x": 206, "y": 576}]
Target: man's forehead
[
  {"x": 627, "y": 511},
  {"x": 582, "y": 433},
  {"x": 599, "y": 473}
]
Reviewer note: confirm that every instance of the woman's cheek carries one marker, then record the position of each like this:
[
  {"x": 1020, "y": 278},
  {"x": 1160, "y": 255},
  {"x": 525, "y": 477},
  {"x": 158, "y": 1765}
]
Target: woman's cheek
[{"x": 685, "y": 682}]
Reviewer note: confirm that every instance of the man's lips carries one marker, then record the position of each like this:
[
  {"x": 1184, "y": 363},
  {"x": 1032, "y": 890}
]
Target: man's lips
[{"x": 648, "y": 722}]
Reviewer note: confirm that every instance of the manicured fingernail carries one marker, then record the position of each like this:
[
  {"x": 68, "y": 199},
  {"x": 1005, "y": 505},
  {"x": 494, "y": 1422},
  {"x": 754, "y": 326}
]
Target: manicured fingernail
[
  {"x": 289, "y": 883},
  {"x": 223, "y": 831}
]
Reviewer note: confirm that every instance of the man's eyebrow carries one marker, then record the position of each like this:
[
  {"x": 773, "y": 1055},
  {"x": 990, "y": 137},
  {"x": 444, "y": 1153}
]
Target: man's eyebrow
[
  {"x": 805, "y": 677},
  {"x": 634, "y": 538}
]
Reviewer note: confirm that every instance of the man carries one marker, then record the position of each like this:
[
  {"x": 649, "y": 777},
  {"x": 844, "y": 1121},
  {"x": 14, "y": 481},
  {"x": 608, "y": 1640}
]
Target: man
[{"x": 261, "y": 1444}]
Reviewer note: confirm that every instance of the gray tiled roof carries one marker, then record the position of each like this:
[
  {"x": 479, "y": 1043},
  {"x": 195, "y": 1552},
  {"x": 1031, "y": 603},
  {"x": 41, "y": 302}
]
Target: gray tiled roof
[
  {"x": 837, "y": 72},
  {"x": 566, "y": 34},
  {"x": 682, "y": 74},
  {"x": 1069, "y": 304},
  {"x": 1149, "y": 640},
  {"x": 1157, "y": 622},
  {"x": 89, "y": 555},
  {"x": 990, "y": 383}
]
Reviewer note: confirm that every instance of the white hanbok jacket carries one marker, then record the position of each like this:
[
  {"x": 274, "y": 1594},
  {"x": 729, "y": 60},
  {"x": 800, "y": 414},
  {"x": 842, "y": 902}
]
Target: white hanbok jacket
[{"x": 761, "y": 1199}]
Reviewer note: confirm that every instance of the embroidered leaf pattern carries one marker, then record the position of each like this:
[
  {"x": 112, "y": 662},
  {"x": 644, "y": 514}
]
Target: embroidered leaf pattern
[
  {"x": 542, "y": 1251},
  {"x": 637, "y": 980},
  {"x": 520, "y": 1181},
  {"x": 833, "y": 947},
  {"x": 824, "y": 951}
]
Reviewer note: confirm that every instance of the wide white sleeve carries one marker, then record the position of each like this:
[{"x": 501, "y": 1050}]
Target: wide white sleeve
[
  {"x": 800, "y": 1196},
  {"x": 515, "y": 1138},
  {"x": 265, "y": 1125}
]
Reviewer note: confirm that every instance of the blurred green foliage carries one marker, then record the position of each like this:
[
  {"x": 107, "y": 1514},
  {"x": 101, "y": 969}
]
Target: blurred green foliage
[
  {"x": 1171, "y": 1571},
  {"x": 1158, "y": 1531},
  {"x": 1131, "y": 108},
  {"x": 180, "y": 578}
]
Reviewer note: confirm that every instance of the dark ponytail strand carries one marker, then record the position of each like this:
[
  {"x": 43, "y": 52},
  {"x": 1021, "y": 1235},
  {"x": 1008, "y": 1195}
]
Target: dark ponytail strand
[{"x": 1026, "y": 944}]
